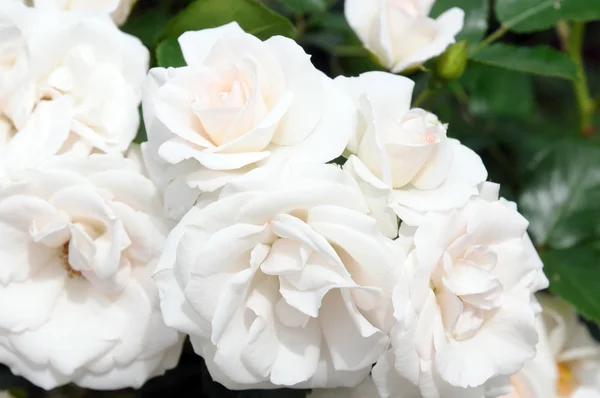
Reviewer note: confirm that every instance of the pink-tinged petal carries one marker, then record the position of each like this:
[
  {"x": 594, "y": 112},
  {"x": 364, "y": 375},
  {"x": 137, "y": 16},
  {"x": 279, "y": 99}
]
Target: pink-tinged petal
[
  {"x": 238, "y": 49},
  {"x": 172, "y": 106},
  {"x": 258, "y": 137}
]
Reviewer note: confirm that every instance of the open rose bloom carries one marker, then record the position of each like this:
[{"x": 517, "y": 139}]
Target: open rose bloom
[
  {"x": 282, "y": 281},
  {"x": 305, "y": 232},
  {"x": 239, "y": 104},
  {"x": 403, "y": 157},
  {"x": 464, "y": 307},
  {"x": 567, "y": 364},
  {"x": 81, "y": 238},
  {"x": 84, "y": 71}
]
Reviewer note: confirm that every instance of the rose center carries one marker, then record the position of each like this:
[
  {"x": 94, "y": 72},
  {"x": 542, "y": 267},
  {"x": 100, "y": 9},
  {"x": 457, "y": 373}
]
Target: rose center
[
  {"x": 420, "y": 127},
  {"x": 566, "y": 383},
  {"x": 64, "y": 255},
  {"x": 7, "y": 129},
  {"x": 430, "y": 138}
]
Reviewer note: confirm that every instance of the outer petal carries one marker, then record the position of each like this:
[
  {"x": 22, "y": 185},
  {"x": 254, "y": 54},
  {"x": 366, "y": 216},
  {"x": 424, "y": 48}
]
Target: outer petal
[
  {"x": 466, "y": 172},
  {"x": 377, "y": 195},
  {"x": 361, "y": 16},
  {"x": 449, "y": 24},
  {"x": 306, "y": 84},
  {"x": 509, "y": 339},
  {"x": 196, "y": 45},
  {"x": 331, "y": 135}
]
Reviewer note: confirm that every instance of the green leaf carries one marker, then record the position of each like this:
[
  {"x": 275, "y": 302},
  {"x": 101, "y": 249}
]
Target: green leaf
[
  {"x": 494, "y": 92},
  {"x": 539, "y": 60},
  {"x": 306, "y": 6},
  {"x": 251, "y": 15},
  {"x": 331, "y": 22},
  {"x": 562, "y": 197},
  {"x": 535, "y": 15},
  {"x": 18, "y": 393},
  {"x": 476, "y": 17},
  {"x": 168, "y": 53},
  {"x": 147, "y": 26},
  {"x": 141, "y": 135},
  {"x": 575, "y": 276}
]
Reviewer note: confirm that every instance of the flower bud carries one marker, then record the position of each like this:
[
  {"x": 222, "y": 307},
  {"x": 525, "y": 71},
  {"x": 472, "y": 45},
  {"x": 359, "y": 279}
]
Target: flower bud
[{"x": 451, "y": 64}]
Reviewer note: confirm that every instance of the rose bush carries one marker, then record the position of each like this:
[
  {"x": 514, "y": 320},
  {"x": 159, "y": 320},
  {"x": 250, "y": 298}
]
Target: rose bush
[
  {"x": 81, "y": 238},
  {"x": 238, "y": 104},
  {"x": 402, "y": 155},
  {"x": 84, "y": 62},
  {"x": 282, "y": 281},
  {"x": 306, "y": 230},
  {"x": 400, "y": 33},
  {"x": 464, "y": 306}
]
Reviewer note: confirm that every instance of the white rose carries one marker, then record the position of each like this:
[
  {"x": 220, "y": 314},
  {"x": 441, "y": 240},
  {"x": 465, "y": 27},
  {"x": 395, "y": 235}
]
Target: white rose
[
  {"x": 366, "y": 389},
  {"x": 465, "y": 311},
  {"x": 85, "y": 61},
  {"x": 81, "y": 238},
  {"x": 118, "y": 9},
  {"x": 400, "y": 32},
  {"x": 567, "y": 364},
  {"x": 282, "y": 281},
  {"x": 240, "y": 103},
  {"x": 539, "y": 377},
  {"x": 407, "y": 150}
]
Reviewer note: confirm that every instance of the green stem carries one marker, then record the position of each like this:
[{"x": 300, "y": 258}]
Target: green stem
[
  {"x": 497, "y": 34},
  {"x": 585, "y": 103},
  {"x": 562, "y": 30},
  {"x": 423, "y": 97},
  {"x": 300, "y": 23}
]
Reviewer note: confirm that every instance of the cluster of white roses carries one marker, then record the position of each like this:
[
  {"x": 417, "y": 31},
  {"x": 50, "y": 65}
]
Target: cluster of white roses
[
  {"x": 567, "y": 363},
  {"x": 82, "y": 226},
  {"x": 232, "y": 226}
]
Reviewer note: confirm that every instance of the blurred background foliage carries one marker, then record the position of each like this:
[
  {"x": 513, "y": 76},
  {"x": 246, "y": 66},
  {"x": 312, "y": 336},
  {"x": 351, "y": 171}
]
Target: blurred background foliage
[{"x": 529, "y": 106}]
